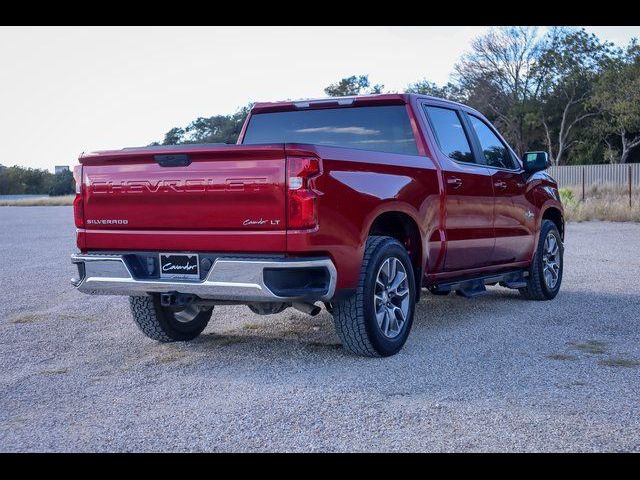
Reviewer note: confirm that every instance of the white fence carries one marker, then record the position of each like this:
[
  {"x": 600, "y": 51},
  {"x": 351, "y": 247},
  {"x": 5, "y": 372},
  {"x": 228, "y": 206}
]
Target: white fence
[{"x": 569, "y": 175}]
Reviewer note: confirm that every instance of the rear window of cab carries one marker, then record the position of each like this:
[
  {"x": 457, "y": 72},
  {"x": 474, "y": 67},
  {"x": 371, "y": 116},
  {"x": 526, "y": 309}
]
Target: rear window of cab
[{"x": 382, "y": 129}]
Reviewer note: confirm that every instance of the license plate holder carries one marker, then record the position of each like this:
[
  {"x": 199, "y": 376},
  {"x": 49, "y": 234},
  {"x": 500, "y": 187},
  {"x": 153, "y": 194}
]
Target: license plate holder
[{"x": 184, "y": 266}]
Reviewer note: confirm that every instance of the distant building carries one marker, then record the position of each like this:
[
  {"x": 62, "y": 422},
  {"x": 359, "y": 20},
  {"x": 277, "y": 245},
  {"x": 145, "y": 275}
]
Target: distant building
[{"x": 61, "y": 168}]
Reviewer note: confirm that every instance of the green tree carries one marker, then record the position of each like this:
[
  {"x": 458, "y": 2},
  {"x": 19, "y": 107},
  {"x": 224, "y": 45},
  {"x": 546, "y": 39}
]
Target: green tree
[
  {"x": 61, "y": 184},
  {"x": 567, "y": 69},
  {"x": 353, "y": 85},
  {"x": 215, "y": 129},
  {"x": 449, "y": 91},
  {"x": 31, "y": 181},
  {"x": 173, "y": 136},
  {"x": 617, "y": 96}
]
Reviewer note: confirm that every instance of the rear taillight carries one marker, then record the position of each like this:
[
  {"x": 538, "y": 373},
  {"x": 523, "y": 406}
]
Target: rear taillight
[
  {"x": 78, "y": 204},
  {"x": 302, "y": 197}
]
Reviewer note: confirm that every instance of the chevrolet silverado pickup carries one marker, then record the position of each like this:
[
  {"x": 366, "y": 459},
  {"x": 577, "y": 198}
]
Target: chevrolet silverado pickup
[{"x": 354, "y": 203}]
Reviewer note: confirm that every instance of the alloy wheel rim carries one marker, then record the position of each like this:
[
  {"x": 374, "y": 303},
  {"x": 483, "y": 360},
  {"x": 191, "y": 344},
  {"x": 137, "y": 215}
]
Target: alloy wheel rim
[
  {"x": 551, "y": 261},
  {"x": 391, "y": 297}
]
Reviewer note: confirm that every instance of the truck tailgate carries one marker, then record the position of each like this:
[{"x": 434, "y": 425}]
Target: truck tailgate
[{"x": 151, "y": 193}]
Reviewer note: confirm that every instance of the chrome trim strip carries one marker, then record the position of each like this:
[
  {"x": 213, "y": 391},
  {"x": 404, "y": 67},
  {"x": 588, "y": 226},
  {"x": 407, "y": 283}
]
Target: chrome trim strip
[{"x": 228, "y": 279}]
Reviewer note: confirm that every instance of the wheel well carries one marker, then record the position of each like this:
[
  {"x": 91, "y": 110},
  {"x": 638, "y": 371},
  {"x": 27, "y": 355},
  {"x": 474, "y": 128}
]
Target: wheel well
[
  {"x": 555, "y": 216},
  {"x": 404, "y": 229}
]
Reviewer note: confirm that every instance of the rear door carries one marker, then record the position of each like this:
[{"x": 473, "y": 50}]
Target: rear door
[
  {"x": 469, "y": 191},
  {"x": 514, "y": 223}
]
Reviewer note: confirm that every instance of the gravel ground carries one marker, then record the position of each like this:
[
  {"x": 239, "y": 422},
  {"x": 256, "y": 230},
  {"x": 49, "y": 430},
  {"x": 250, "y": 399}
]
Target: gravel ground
[{"x": 495, "y": 373}]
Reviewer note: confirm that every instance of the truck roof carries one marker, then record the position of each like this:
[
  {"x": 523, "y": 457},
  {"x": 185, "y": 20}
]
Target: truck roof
[{"x": 333, "y": 102}]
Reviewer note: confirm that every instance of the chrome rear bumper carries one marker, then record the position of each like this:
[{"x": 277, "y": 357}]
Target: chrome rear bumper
[{"x": 229, "y": 279}]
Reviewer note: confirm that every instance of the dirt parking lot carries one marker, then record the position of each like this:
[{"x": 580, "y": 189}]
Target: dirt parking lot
[{"x": 496, "y": 373}]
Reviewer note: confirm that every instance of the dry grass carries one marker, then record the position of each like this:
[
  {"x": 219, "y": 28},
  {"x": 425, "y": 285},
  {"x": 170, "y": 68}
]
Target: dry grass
[
  {"x": 590, "y": 346},
  {"x": 562, "y": 357},
  {"x": 39, "y": 202},
  {"x": 48, "y": 316},
  {"x": 602, "y": 202},
  {"x": 28, "y": 318},
  {"x": 57, "y": 371},
  {"x": 169, "y": 356},
  {"x": 620, "y": 362}
]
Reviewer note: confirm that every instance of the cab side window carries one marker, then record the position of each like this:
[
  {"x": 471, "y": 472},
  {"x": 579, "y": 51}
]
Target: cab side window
[
  {"x": 495, "y": 152},
  {"x": 450, "y": 134}
]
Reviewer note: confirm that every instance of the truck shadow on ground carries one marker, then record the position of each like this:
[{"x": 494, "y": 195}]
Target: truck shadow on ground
[{"x": 292, "y": 331}]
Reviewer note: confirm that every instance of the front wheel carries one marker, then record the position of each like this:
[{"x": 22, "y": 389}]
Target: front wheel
[
  {"x": 545, "y": 273},
  {"x": 376, "y": 320},
  {"x": 166, "y": 324}
]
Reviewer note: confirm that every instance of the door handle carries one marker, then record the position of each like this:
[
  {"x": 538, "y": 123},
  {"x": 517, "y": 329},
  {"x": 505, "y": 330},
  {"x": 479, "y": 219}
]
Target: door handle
[
  {"x": 455, "y": 182},
  {"x": 500, "y": 185}
]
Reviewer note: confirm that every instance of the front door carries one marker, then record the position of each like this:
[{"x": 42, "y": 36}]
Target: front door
[{"x": 514, "y": 215}]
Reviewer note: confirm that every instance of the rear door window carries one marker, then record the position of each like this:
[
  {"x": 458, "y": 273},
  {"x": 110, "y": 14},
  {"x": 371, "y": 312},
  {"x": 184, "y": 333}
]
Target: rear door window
[
  {"x": 379, "y": 128},
  {"x": 450, "y": 134}
]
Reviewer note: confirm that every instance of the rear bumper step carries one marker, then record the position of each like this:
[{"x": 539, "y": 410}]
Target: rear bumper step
[{"x": 229, "y": 279}]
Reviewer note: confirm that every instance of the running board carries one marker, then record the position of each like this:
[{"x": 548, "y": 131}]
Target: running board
[{"x": 475, "y": 287}]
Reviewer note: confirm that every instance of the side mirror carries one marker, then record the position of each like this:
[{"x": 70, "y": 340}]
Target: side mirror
[{"x": 535, "y": 161}]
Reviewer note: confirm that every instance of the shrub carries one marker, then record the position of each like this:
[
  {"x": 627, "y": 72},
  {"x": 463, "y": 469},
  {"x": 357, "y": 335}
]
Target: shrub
[
  {"x": 602, "y": 202},
  {"x": 566, "y": 197}
]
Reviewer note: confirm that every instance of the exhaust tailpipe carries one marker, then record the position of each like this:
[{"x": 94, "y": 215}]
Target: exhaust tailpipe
[{"x": 308, "y": 308}]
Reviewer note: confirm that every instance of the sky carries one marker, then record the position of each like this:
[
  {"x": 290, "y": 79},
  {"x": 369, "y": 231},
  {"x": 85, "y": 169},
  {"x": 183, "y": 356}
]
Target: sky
[{"x": 65, "y": 90}]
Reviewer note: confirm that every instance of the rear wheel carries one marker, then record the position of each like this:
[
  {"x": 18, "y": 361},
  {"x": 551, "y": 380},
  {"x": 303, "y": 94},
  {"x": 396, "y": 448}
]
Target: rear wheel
[
  {"x": 376, "y": 320},
  {"x": 545, "y": 273},
  {"x": 166, "y": 324}
]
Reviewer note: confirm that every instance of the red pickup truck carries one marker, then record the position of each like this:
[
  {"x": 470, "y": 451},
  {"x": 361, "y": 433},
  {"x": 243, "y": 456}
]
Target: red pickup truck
[{"x": 355, "y": 202}]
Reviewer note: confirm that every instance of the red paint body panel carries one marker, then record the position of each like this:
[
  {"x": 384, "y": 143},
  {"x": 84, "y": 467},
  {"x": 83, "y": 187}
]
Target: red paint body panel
[
  {"x": 219, "y": 190},
  {"x": 356, "y": 186},
  {"x": 185, "y": 240},
  {"x": 514, "y": 231},
  {"x": 233, "y": 198}
]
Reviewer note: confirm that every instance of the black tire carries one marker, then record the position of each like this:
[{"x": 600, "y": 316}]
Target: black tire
[
  {"x": 537, "y": 288},
  {"x": 355, "y": 318},
  {"x": 160, "y": 323}
]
